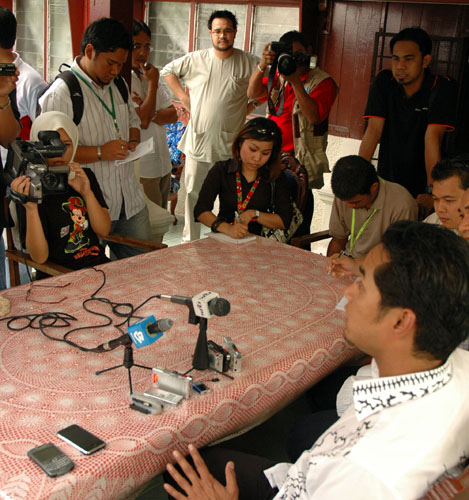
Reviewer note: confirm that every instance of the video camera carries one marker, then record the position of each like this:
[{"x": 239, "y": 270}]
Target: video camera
[
  {"x": 285, "y": 60},
  {"x": 29, "y": 158}
]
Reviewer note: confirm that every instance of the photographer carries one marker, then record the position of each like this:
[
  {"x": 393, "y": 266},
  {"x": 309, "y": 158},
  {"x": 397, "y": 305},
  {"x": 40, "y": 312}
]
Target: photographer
[
  {"x": 307, "y": 95},
  {"x": 65, "y": 228}
]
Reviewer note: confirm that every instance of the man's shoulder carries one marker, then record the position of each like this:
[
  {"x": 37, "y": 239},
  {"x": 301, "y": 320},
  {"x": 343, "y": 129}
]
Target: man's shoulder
[
  {"x": 384, "y": 80},
  {"x": 398, "y": 194}
]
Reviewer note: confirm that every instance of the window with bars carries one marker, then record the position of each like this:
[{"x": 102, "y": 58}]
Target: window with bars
[
  {"x": 170, "y": 23},
  {"x": 45, "y": 54}
]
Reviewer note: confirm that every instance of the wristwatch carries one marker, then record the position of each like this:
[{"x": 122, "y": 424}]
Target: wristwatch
[
  {"x": 216, "y": 223},
  {"x": 256, "y": 215}
]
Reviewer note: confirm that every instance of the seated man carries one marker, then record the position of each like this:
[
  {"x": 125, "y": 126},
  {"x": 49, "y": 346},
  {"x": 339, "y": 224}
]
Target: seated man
[
  {"x": 449, "y": 176},
  {"x": 408, "y": 424},
  {"x": 364, "y": 206},
  {"x": 464, "y": 215}
]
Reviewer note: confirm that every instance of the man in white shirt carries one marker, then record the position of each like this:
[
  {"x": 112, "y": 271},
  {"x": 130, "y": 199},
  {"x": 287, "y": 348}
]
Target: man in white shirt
[
  {"x": 217, "y": 80},
  {"x": 408, "y": 424},
  {"x": 449, "y": 177},
  {"x": 109, "y": 127},
  {"x": 154, "y": 108}
]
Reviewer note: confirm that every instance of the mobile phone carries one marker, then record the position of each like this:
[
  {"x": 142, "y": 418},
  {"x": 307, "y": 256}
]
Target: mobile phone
[
  {"x": 7, "y": 69},
  {"x": 51, "y": 460},
  {"x": 201, "y": 388},
  {"x": 81, "y": 439}
]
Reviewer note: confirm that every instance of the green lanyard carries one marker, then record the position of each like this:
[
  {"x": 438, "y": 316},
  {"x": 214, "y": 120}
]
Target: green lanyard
[
  {"x": 353, "y": 238},
  {"x": 112, "y": 112}
]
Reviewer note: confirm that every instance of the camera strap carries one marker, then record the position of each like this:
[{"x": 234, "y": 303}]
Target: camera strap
[{"x": 281, "y": 95}]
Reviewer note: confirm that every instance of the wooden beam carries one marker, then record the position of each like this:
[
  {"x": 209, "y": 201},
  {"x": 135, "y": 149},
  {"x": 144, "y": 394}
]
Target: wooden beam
[{"x": 78, "y": 22}]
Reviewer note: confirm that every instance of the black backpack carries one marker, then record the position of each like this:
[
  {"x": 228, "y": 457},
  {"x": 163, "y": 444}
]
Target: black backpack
[{"x": 76, "y": 93}]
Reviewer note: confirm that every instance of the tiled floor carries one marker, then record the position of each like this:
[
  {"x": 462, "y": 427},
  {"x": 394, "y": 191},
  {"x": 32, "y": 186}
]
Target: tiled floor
[{"x": 174, "y": 235}]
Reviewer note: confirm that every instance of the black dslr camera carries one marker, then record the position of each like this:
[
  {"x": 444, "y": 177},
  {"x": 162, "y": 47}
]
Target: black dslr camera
[
  {"x": 285, "y": 60},
  {"x": 29, "y": 158}
]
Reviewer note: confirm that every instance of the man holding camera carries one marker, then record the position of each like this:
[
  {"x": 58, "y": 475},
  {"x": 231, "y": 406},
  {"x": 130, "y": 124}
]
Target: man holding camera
[{"x": 307, "y": 94}]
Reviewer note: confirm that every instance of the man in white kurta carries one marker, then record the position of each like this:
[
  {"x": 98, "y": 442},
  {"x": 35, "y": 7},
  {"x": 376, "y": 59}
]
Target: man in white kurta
[{"x": 217, "y": 80}]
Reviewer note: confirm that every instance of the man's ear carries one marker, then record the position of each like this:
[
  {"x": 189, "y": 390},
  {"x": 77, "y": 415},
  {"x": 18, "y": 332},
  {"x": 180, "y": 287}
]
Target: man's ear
[
  {"x": 374, "y": 188},
  {"x": 426, "y": 60},
  {"x": 405, "y": 321},
  {"x": 89, "y": 51}
]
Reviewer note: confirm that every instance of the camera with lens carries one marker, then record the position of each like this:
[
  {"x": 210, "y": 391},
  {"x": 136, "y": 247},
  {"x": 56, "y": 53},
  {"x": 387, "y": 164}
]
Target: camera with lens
[
  {"x": 29, "y": 158},
  {"x": 285, "y": 60}
]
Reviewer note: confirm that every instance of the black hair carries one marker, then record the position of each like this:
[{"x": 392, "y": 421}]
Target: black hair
[
  {"x": 428, "y": 272},
  {"x": 138, "y": 26},
  {"x": 261, "y": 129},
  {"x": 450, "y": 167},
  {"x": 294, "y": 36},
  {"x": 223, "y": 14},
  {"x": 106, "y": 35},
  {"x": 352, "y": 175},
  {"x": 416, "y": 35},
  {"x": 8, "y": 31}
]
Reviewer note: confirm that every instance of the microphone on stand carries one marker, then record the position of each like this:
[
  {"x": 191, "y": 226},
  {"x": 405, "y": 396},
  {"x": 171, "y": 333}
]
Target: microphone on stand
[
  {"x": 141, "y": 334},
  {"x": 205, "y": 304}
]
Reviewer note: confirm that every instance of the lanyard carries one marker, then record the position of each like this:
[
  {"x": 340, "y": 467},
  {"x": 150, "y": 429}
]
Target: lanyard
[
  {"x": 353, "y": 238},
  {"x": 243, "y": 204},
  {"x": 112, "y": 112}
]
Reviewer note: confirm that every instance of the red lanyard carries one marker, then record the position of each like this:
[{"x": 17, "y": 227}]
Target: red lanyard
[{"x": 243, "y": 204}]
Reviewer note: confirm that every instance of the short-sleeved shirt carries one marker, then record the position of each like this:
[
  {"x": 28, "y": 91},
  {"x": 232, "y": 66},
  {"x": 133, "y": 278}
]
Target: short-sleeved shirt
[
  {"x": 393, "y": 203},
  {"x": 218, "y": 92},
  {"x": 323, "y": 94},
  {"x": 221, "y": 181},
  {"x": 118, "y": 182},
  {"x": 402, "y": 146},
  {"x": 157, "y": 164},
  {"x": 67, "y": 228}
]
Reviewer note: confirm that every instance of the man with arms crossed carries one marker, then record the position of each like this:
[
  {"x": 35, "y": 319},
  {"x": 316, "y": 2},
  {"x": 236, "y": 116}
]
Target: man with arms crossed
[
  {"x": 109, "y": 127},
  {"x": 408, "y": 111},
  {"x": 217, "y": 80},
  {"x": 408, "y": 424}
]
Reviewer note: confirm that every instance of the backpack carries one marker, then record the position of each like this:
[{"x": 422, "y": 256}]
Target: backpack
[{"x": 76, "y": 93}]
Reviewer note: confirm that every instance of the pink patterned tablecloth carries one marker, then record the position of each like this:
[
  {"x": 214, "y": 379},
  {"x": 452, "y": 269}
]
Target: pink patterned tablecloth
[{"x": 283, "y": 320}]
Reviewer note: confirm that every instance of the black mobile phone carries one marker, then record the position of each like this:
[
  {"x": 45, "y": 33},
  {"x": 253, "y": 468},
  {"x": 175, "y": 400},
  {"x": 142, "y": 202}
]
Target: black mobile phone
[
  {"x": 81, "y": 439},
  {"x": 51, "y": 460},
  {"x": 7, "y": 69}
]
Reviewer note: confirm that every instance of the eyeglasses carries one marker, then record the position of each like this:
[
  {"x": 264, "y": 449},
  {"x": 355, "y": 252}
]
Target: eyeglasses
[
  {"x": 138, "y": 46},
  {"x": 227, "y": 31}
]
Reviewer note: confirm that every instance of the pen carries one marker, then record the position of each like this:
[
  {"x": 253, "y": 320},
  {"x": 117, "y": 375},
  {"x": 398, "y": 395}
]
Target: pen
[{"x": 237, "y": 217}]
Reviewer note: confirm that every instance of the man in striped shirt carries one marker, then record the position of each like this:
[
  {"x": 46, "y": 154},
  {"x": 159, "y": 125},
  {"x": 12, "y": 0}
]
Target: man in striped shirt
[{"x": 109, "y": 127}]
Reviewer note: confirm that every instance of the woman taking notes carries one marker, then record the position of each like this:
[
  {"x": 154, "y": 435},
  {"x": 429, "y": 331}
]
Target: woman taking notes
[{"x": 244, "y": 184}]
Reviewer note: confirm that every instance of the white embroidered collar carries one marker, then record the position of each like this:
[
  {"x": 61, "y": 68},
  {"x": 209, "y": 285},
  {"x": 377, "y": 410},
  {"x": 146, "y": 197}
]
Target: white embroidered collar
[{"x": 377, "y": 393}]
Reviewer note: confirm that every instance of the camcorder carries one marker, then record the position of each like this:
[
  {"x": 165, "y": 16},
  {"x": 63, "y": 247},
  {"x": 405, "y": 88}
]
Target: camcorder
[
  {"x": 286, "y": 61},
  {"x": 29, "y": 158}
]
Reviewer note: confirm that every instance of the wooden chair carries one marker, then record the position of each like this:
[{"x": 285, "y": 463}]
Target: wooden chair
[
  {"x": 15, "y": 256},
  {"x": 301, "y": 241}
]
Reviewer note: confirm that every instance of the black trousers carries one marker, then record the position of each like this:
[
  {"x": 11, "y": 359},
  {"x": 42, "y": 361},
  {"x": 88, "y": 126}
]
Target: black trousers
[{"x": 252, "y": 483}]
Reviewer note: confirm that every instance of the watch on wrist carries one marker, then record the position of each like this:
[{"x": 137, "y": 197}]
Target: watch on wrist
[
  {"x": 256, "y": 214},
  {"x": 216, "y": 223},
  {"x": 99, "y": 153}
]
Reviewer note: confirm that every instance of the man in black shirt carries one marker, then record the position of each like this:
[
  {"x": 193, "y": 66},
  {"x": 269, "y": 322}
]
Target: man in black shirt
[{"x": 409, "y": 109}]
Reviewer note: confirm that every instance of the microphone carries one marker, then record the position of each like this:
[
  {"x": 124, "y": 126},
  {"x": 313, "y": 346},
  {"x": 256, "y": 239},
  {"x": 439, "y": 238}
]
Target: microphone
[
  {"x": 205, "y": 304},
  {"x": 142, "y": 333}
]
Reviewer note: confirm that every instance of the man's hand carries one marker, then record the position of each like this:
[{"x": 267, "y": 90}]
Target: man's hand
[
  {"x": 7, "y": 85},
  {"x": 186, "y": 102},
  {"x": 268, "y": 57},
  {"x": 425, "y": 203},
  {"x": 200, "y": 484},
  {"x": 136, "y": 98},
  {"x": 150, "y": 73},
  {"x": 341, "y": 265},
  {"x": 114, "y": 150},
  {"x": 78, "y": 179}
]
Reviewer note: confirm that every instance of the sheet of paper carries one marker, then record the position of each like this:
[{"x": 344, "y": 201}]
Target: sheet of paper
[
  {"x": 228, "y": 239},
  {"x": 142, "y": 149}
]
